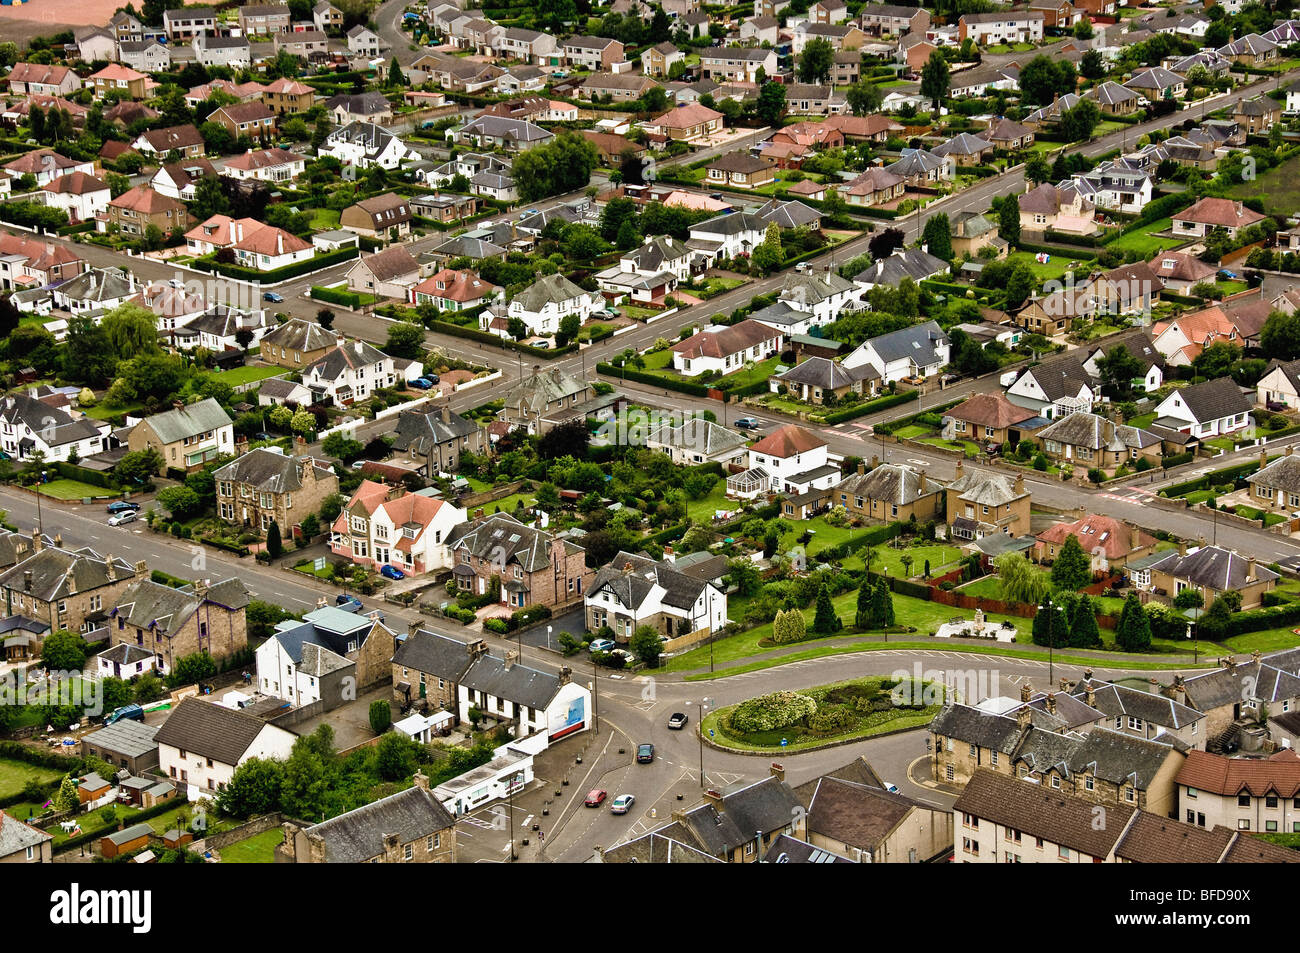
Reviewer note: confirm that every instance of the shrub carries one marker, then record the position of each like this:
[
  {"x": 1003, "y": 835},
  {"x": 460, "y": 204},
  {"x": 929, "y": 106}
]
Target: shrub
[
  {"x": 772, "y": 711},
  {"x": 828, "y": 721},
  {"x": 499, "y": 626}
]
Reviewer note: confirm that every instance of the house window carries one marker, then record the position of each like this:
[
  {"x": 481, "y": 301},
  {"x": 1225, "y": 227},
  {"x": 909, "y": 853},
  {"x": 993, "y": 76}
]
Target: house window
[{"x": 408, "y": 852}]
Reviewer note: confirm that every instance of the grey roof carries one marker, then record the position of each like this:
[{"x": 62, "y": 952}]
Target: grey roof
[
  {"x": 789, "y": 214},
  {"x": 664, "y": 846},
  {"x": 374, "y": 139},
  {"x": 503, "y": 127},
  {"x": 433, "y": 654},
  {"x": 905, "y": 263},
  {"x": 703, "y": 436},
  {"x": 972, "y": 726},
  {"x": 462, "y": 246},
  {"x": 534, "y": 394},
  {"x": 918, "y": 343},
  {"x": 657, "y": 252},
  {"x": 990, "y": 489},
  {"x": 1113, "y": 94},
  {"x": 827, "y": 374},
  {"x": 889, "y": 483},
  {"x": 1215, "y": 398},
  {"x": 787, "y": 850},
  {"x": 125, "y": 737},
  {"x": 1271, "y": 679},
  {"x": 210, "y": 730},
  {"x": 51, "y": 569},
  {"x": 963, "y": 144},
  {"x": 1282, "y": 474},
  {"x": 129, "y": 834},
  {"x": 549, "y": 289},
  {"x": 358, "y": 835},
  {"x": 1097, "y": 433},
  {"x": 632, "y": 578},
  {"x": 916, "y": 162},
  {"x": 150, "y": 605},
  {"x": 515, "y": 683},
  {"x": 1062, "y": 377},
  {"x": 1212, "y": 567},
  {"x": 810, "y": 288},
  {"x": 1115, "y": 700},
  {"x": 266, "y": 470},
  {"x": 731, "y": 223},
  {"x": 16, "y": 836},
  {"x": 503, "y": 539},
  {"x": 360, "y": 104},
  {"x": 124, "y": 653},
  {"x": 420, "y": 432},
  {"x": 55, "y": 425},
  {"x": 335, "y": 362},
  {"x": 300, "y": 335},
  {"x": 192, "y": 420},
  {"x": 768, "y": 806}
]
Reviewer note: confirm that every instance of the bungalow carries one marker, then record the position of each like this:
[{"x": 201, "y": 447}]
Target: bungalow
[
  {"x": 265, "y": 165},
  {"x": 920, "y": 167},
  {"x": 992, "y": 420},
  {"x": 725, "y": 349},
  {"x": 1054, "y": 388},
  {"x": 1211, "y": 569},
  {"x": 1212, "y": 408},
  {"x": 649, "y": 272},
  {"x": 1156, "y": 83},
  {"x": 1180, "y": 272},
  {"x": 1111, "y": 542},
  {"x": 876, "y": 186},
  {"x": 180, "y": 180},
  {"x": 451, "y": 290},
  {"x": 1113, "y": 99},
  {"x": 184, "y": 140},
  {"x": 363, "y": 144},
  {"x": 916, "y": 352},
  {"x": 914, "y": 263},
  {"x": 201, "y": 744},
  {"x": 372, "y": 107},
  {"x": 390, "y": 273},
  {"x": 686, "y": 123},
  {"x": 634, "y": 591},
  {"x": 514, "y": 135},
  {"x": 889, "y": 492},
  {"x": 267, "y": 248},
  {"x": 1251, "y": 50},
  {"x": 818, "y": 380},
  {"x": 740, "y": 170},
  {"x": 1009, "y": 135},
  {"x": 1207, "y": 214},
  {"x": 965, "y": 149},
  {"x": 1092, "y": 441},
  {"x": 1280, "y": 384}
]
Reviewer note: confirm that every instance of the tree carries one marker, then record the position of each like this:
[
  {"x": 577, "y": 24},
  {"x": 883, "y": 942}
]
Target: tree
[
  {"x": 1009, "y": 220},
  {"x": 816, "y": 61},
  {"x": 181, "y": 502},
  {"x": 865, "y": 618},
  {"x": 381, "y": 716},
  {"x": 136, "y": 467},
  {"x": 1217, "y": 359},
  {"x": 1020, "y": 284},
  {"x": 771, "y": 104},
  {"x": 1043, "y": 78},
  {"x": 548, "y": 497},
  {"x": 1072, "y": 568},
  {"x": 396, "y": 78},
  {"x": 132, "y": 329},
  {"x": 1078, "y": 122},
  {"x": 865, "y": 98},
  {"x": 825, "y": 620},
  {"x": 1021, "y": 580},
  {"x": 562, "y": 165},
  {"x": 1280, "y": 336},
  {"x": 882, "y": 604},
  {"x": 1084, "y": 633},
  {"x": 646, "y": 645},
  {"x": 1189, "y": 598},
  {"x": 1051, "y": 625},
  {"x": 209, "y": 198},
  {"x": 768, "y": 256},
  {"x": 885, "y": 243},
  {"x": 1037, "y": 169},
  {"x": 1216, "y": 623},
  {"x": 192, "y": 669},
  {"x": 253, "y": 789},
  {"x": 789, "y": 626},
  {"x": 1118, "y": 368},
  {"x": 1133, "y": 631},
  {"x": 274, "y": 545},
  {"x": 405, "y": 339},
  {"x": 66, "y": 799},
  {"x": 1092, "y": 66},
  {"x": 396, "y": 757},
  {"x": 88, "y": 355},
  {"x": 937, "y": 236},
  {"x": 64, "y": 651},
  {"x": 935, "y": 79},
  {"x": 745, "y": 577}
]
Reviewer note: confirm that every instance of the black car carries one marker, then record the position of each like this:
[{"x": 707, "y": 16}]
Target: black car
[
  {"x": 645, "y": 753},
  {"x": 677, "y": 721},
  {"x": 122, "y": 506}
]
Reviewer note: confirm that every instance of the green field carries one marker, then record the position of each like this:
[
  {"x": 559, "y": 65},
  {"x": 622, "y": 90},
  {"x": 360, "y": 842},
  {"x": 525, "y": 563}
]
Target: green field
[
  {"x": 324, "y": 219},
  {"x": 74, "y": 490},
  {"x": 248, "y": 374},
  {"x": 1144, "y": 240},
  {"x": 258, "y": 849},
  {"x": 1279, "y": 187},
  {"x": 14, "y": 775}
]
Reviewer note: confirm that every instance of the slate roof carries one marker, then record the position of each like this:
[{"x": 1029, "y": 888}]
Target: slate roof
[
  {"x": 905, "y": 263},
  {"x": 125, "y": 737},
  {"x": 490, "y": 536},
  {"x": 789, "y": 214},
  {"x": 632, "y": 578},
  {"x": 358, "y": 835},
  {"x": 768, "y": 805},
  {"x": 788, "y": 441},
  {"x": 826, "y": 374},
  {"x": 1042, "y": 812},
  {"x": 970, "y": 725},
  {"x": 516, "y": 683},
  {"x": 1215, "y": 398},
  {"x": 890, "y": 483},
  {"x": 811, "y": 288},
  {"x": 331, "y": 365},
  {"x": 210, "y": 730},
  {"x": 152, "y": 606},
  {"x": 1273, "y": 678},
  {"x": 300, "y": 335},
  {"x": 1061, "y": 377},
  {"x": 268, "y": 471},
  {"x": 1282, "y": 474},
  {"x": 1212, "y": 567},
  {"x": 855, "y": 814},
  {"x": 699, "y": 435},
  {"x": 664, "y": 846},
  {"x": 549, "y": 289},
  {"x": 189, "y": 421},
  {"x": 1115, "y": 700},
  {"x": 433, "y": 654},
  {"x": 535, "y": 394},
  {"x": 1097, "y": 433},
  {"x": 720, "y": 341},
  {"x": 992, "y": 489},
  {"x": 52, "y": 568}
]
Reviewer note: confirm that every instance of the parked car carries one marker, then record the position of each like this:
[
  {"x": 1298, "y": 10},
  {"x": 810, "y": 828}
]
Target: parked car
[
  {"x": 677, "y": 721},
  {"x": 358, "y": 464},
  {"x": 622, "y": 803},
  {"x": 122, "y": 518},
  {"x": 272, "y": 297},
  {"x": 391, "y": 572},
  {"x": 422, "y": 383},
  {"x": 601, "y": 645},
  {"x": 1277, "y": 406},
  {"x": 262, "y": 436},
  {"x": 348, "y": 603},
  {"x": 595, "y": 796},
  {"x": 541, "y": 345},
  {"x": 433, "y": 379},
  {"x": 645, "y": 753},
  {"x": 891, "y": 788},
  {"x": 122, "y": 506},
  {"x": 745, "y": 423}
]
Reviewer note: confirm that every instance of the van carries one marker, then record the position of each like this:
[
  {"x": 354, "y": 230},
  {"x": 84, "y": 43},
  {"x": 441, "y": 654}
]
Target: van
[{"x": 126, "y": 712}]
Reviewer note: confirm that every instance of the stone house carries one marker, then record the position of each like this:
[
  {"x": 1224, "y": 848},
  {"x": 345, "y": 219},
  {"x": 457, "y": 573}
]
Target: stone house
[
  {"x": 186, "y": 437},
  {"x": 889, "y": 493},
  {"x": 265, "y": 485},
  {"x": 439, "y": 437},
  {"x": 531, "y": 567},
  {"x": 175, "y": 623},
  {"x": 297, "y": 344},
  {"x": 979, "y": 505}
]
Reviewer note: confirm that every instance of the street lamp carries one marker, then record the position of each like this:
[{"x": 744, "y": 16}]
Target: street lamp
[{"x": 704, "y": 703}]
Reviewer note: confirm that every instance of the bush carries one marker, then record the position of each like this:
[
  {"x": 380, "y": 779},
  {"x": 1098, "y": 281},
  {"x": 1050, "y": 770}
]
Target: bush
[
  {"x": 499, "y": 626},
  {"x": 381, "y": 716},
  {"x": 827, "y": 721},
  {"x": 773, "y": 711}
]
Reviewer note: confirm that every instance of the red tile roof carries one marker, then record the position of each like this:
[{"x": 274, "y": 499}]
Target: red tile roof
[
  {"x": 788, "y": 441},
  {"x": 1223, "y": 213},
  {"x": 1215, "y": 774}
]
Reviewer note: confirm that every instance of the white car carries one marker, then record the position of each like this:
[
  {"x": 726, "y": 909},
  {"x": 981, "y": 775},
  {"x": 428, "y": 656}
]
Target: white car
[{"x": 121, "y": 518}]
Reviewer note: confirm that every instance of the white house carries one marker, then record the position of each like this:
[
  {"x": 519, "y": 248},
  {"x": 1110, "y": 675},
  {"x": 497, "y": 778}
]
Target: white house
[
  {"x": 1280, "y": 384},
  {"x": 1113, "y": 188},
  {"x": 546, "y": 301},
  {"x": 1054, "y": 388},
  {"x": 349, "y": 372},
  {"x": 408, "y": 531},
  {"x": 726, "y": 349},
  {"x": 268, "y": 247},
  {"x": 291, "y": 667},
  {"x": 201, "y": 744},
  {"x": 363, "y": 144},
  {"x": 1209, "y": 409},
  {"x": 80, "y": 195},
  {"x": 633, "y": 591},
  {"x": 919, "y": 351},
  {"x": 265, "y": 165},
  {"x": 727, "y": 236},
  {"x": 536, "y": 701},
  {"x": 793, "y": 456}
]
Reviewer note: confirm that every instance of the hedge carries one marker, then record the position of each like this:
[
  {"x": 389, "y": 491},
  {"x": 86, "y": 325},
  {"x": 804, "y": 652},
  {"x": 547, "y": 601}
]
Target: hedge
[
  {"x": 1065, "y": 238},
  {"x": 474, "y": 334},
  {"x": 1213, "y": 478},
  {"x": 349, "y": 299},
  {"x": 1177, "y": 460},
  {"x": 1088, "y": 254},
  {"x": 880, "y": 403},
  {"x": 237, "y": 548},
  {"x": 671, "y": 534},
  {"x": 162, "y": 807},
  {"x": 276, "y": 275},
  {"x": 70, "y": 471},
  {"x": 632, "y": 374},
  {"x": 14, "y": 751},
  {"x": 1271, "y": 617}
]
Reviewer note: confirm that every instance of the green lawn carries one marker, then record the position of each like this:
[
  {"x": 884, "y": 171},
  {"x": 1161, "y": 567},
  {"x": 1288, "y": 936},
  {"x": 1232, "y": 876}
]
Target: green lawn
[
  {"x": 1055, "y": 268},
  {"x": 258, "y": 849},
  {"x": 248, "y": 374},
  {"x": 970, "y": 449},
  {"x": 14, "y": 775},
  {"x": 701, "y": 511},
  {"x": 324, "y": 219},
  {"x": 1279, "y": 187},
  {"x": 104, "y": 412},
  {"x": 74, "y": 490},
  {"x": 716, "y": 286},
  {"x": 912, "y": 431},
  {"x": 1144, "y": 240}
]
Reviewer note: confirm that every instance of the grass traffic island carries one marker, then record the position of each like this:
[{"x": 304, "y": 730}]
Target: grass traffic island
[{"x": 823, "y": 716}]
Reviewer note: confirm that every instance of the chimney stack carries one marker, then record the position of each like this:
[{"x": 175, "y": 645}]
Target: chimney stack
[
  {"x": 777, "y": 770},
  {"x": 960, "y": 471},
  {"x": 566, "y": 675},
  {"x": 862, "y": 468},
  {"x": 1026, "y": 692},
  {"x": 511, "y": 658},
  {"x": 1134, "y": 538},
  {"x": 1051, "y": 703},
  {"x": 1023, "y": 716},
  {"x": 1263, "y": 459},
  {"x": 1020, "y": 483},
  {"x": 412, "y": 628},
  {"x": 27, "y": 580},
  {"x": 141, "y": 568},
  {"x": 713, "y": 797},
  {"x": 38, "y": 541},
  {"x": 1250, "y": 570},
  {"x": 1064, "y": 684},
  {"x": 1090, "y": 696},
  {"x": 421, "y": 780},
  {"x": 1182, "y": 547}
]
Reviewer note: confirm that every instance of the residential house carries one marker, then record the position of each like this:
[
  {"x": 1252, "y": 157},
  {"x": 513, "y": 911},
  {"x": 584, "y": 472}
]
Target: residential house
[
  {"x": 914, "y": 263},
  {"x": 857, "y": 818},
  {"x": 497, "y": 132},
  {"x": 183, "y": 140},
  {"x": 265, "y": 486},
  {"x": 633, "y": 591},
  {"x": 972, "y": 233},
  {"x": 363, "y": 144},
  {"x": 1054, "y": 388},
  {"x": 916, "y": 352},
  {"x": 737, "y": 64},
  {"x": 348, "y": 373},
  {"x": 386, "y": 217},
  {"x": 1212, "y": 408},
  {"x": 173, "y": 624},
  {"x": 1062, "y": 210},
  {"x": 992, "y": 420},
  {"x": 363, "y": 41},
  {"x": 788, "y": 460},
  {"x": 253, "y": 120},
  {"x": 697, "y": 441},
  {"x": 965, "y": 149},
  {"x": 729, "y": 235},
  {"x": 126, "y": 743},
  {"x": 440, "y": 438},
  {"x": 1095, "y": 442},
  {"x": 1009, "y": 27},
  {"x": 234, "y": 52},
  {"x": 686, "y": 123},
  {"x": 1209, "y": 213},
  {"x": 95, "y": 292},
  {"x": 135, "y": 210},
  {"x": 410, "y": 826},
  {"x": 1156, "y": 83},
  {"x": 201, "y": 744},
  {"x": 307, "y": 44},
  {"x": 21, "y": 843},
  {"x": 531, "y": 567},
  {"x": 1211, "y": 569},
  {"x": 549, "y": 398},
  {"x": 739, "y": 170},
  {"x": 45, "y": 165},
  {"x": 1251, "y": 50},
  {"x": 265, "y": 165},
  {"x": 546, "y": 302},
  {"x": 619, "y": 87},
  {"x": 327, "y": 17},
  {"x": 726, "y": 349},
  {"x": 296, "y": 343},
  {"x": 649, "y": 272},
  {"x": 979, "y": 505},
  {"x": 145, "y": 56},
  {"x": 118, "y": 79},
  {"x": 180, "y": 180},
  {"x": 887, "y": 19},
  {"x": 920, "y": 167},
  {"x": 1280, "y": 384},
  {"x": 370, "y": 107},
  {"x": 1140, "y": 346},
  {"x": 189, "y": 22},
  {"x": 284, "y": 96},
  {"x": 890, "y": 492},
  {"x": 819, "y": 380},
  {"x": 382, "y": 526},
  {"x": 187, "y": 436},
  {"x": 268, "y": 247},
  {"x": 1110, "y": 542},
  {"x": 873, "y": 187},
  {"x": 1008, "y": 135},
  {"x": 595, "y": 53},
  {"x": 80, "y": 195},
  {"x": 1113, "y": 99},
  {"x": 26, "y": 261},
  {"x": 451, "y": 290},
  {"x": 42, "y": 79},
  {"x": 1242, "y": 794}
]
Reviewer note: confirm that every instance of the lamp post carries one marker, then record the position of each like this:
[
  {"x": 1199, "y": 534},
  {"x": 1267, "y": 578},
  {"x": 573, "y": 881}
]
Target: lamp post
[
  {"x": 704, "y": 703},
  {"x": 595, "y": 698}
]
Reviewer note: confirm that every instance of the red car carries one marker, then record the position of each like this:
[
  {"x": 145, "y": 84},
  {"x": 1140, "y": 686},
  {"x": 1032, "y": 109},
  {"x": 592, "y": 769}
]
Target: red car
[{"x": 595, "y": 796}]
